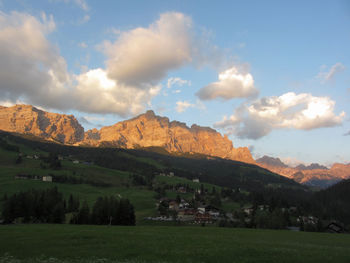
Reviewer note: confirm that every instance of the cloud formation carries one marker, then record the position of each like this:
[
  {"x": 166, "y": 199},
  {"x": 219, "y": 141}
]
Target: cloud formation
[
  {"x": 80, "y": 3},
  {"x": 288, "y": 111},
  {"x": 32, "y": 71},
  {"x": 182, "y": 106},
  {"x": 177, "y": 82},
  {"x": 145, "y": 55},
  {"x": 231, "y": 84},
  {"x": 325, "y": 76}
]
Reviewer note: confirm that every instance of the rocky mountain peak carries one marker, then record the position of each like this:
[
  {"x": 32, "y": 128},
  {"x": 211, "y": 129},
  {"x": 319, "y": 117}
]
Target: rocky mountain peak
[
  {"x": 27, "y": 119},
  {"x": 145, "y": 130},
  {"x": 271, "y": 161}
]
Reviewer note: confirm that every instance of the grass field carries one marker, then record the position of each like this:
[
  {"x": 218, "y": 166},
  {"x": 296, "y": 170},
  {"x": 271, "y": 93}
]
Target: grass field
[{"x": 71, "y": 243}]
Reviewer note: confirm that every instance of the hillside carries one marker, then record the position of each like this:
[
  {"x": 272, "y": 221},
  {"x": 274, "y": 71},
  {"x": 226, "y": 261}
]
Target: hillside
[
  {"x": 136, "y": 174},
  {"x": 145, "y": 177}
]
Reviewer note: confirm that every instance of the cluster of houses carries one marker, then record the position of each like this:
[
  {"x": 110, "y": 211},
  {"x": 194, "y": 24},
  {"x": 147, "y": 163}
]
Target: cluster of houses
[{"x": 183, "y": 212}]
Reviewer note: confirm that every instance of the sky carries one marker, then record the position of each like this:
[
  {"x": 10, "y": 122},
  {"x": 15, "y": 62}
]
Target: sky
[{"x": 272, "y": 75}]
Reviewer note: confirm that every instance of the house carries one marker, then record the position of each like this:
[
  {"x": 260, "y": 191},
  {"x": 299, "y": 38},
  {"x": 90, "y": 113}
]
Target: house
[
  {"x": 171, "y": 174},
  {"x": 182, "y": 190},
  {"x": 195, "y": 180},
  {"x": 76, "y": 161},
  {"x": 21, "y": 176},
  {"x": 187, "y": 215},
  {"x": 335, "y": 227},
  {"x": 248, "y": 210},
  {"x": 183, "y": 204},
  {"x": 214, "y": 212},
  {"x": 173, "y": 205},
  {"x": 201, "y": 209},
  {"x": 47, "y": 178},
  {"x": 203, "y": 218}
]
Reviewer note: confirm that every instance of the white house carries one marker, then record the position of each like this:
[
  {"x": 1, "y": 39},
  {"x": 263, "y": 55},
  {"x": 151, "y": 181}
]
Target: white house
[{"x": 47, "y": 178}]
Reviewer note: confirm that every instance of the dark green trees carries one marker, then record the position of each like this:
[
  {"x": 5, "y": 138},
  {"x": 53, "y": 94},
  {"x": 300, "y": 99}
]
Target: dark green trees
[
  {"x": 41, "y": 206},
  {"x": 106, "y": 211}
]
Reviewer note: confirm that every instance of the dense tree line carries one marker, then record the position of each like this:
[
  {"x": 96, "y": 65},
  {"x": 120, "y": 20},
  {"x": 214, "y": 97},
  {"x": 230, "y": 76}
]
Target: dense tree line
[
  {"x": 49, "y": 206},
  {"x": 106, "y": 211},
  {"x": 35, "y": 206},
  {"x": 333, "y": 202}
]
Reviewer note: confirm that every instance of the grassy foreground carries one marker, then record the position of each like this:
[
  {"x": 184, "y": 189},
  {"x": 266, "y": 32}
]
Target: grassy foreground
[{"x": 71, "y": 243}]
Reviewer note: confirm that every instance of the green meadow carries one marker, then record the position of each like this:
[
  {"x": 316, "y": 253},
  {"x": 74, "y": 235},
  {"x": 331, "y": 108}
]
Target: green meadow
[{"x": 73, "y": 243}]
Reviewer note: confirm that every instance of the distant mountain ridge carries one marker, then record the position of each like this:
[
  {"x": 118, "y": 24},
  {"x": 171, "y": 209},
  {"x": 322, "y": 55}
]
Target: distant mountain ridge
[
  {"x": 313, "y": 174},
  {"x": 271, "y": 161},
  {"x": 145, "y": 130}
]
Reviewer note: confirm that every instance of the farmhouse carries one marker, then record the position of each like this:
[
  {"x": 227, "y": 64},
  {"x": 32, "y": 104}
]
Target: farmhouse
[
  {"x": 47, "y": 178},
  {"x": 186, "y": 215},
  {"x": 203, "y": 218}
]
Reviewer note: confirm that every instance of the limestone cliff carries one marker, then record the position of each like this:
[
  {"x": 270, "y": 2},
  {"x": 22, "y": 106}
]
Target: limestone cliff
[
  {"x": 27, "y": 119},
  {"x": 150, "y": 130},
  {"x": 145, "y": 130}
]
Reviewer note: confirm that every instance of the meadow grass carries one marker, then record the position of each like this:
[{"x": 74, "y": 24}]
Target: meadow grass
[{"x": 72, "y": 243}]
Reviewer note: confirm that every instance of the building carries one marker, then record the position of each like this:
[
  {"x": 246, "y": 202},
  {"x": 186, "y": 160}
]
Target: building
[
  {"x": 196, "y": 180},
  {"x": 203, "y": 218},
  {"x": 186, "y": 215},
  {"x": 173, "y": 205},
  {"x": 47, "y": 178}
]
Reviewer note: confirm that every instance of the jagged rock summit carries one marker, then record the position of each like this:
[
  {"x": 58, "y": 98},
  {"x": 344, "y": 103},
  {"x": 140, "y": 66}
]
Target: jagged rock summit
[
  {"x": 145, "y": 130},
  {"x": 27, "y": 119},
  {"x": 148, "y": 130}
]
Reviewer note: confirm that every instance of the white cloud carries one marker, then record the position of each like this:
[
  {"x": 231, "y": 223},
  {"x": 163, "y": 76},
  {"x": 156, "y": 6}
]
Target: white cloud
[
  {"x": 182, "y": 106},
  {"x": 177, "y": 82},
  {"x": 30, "y": 67},
  {"x": 32, "y": 71},
  {"x": 82, "y": 45},
  {"x": 325, "y": 76},
  {"x": 80, "y": 3},
  {"x": 145, "y": 55},
  {"x": 231, "y": 84},
  {"x": 292, "y": 162},
  {"x": 288, "y": 111},
  {"x": 97, "y": 93},
  {"x": 84, "y": 20}
]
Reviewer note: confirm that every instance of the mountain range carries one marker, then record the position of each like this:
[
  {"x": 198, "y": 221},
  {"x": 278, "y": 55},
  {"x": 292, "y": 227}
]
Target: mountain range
[
  {"x": 150, "y": 130},
  {"x": 313, "y": 174}
]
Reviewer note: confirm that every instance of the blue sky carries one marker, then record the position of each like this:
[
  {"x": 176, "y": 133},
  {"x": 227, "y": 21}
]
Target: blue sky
[{"x": 273, "y": 75}]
